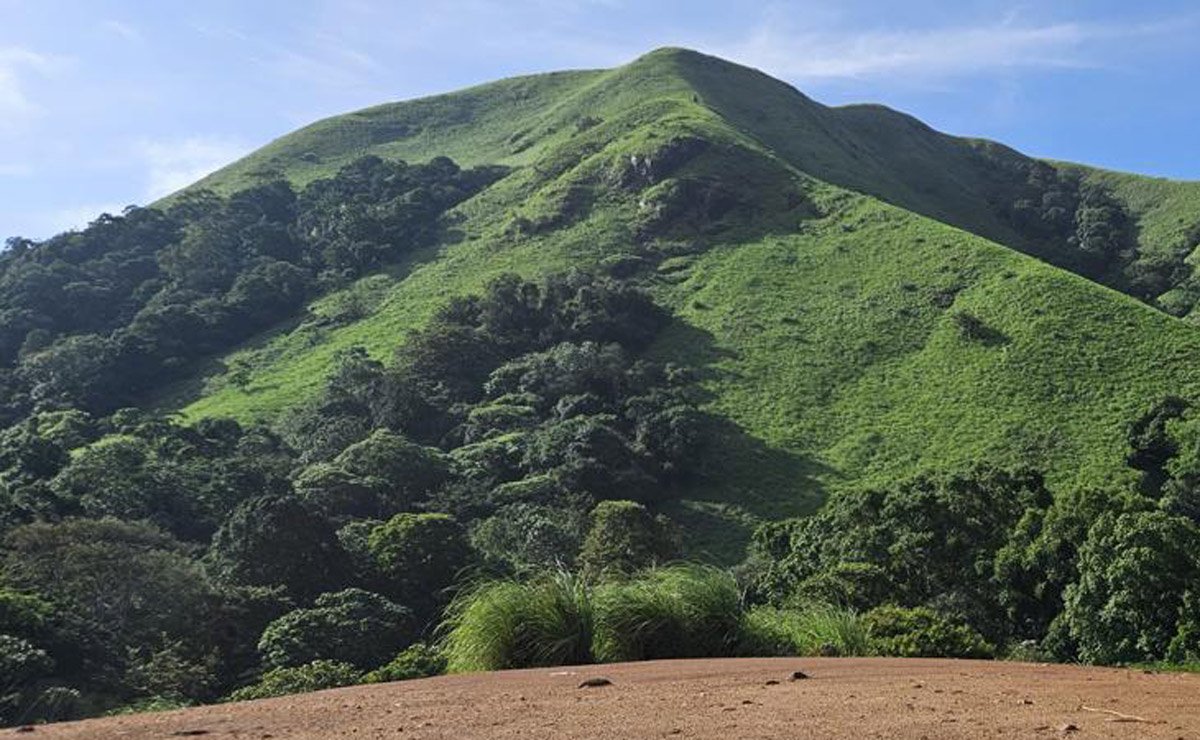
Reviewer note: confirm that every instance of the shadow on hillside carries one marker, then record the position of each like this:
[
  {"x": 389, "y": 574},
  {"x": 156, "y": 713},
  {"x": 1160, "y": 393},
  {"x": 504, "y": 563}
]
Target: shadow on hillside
[{"x": 744, "y": 480}]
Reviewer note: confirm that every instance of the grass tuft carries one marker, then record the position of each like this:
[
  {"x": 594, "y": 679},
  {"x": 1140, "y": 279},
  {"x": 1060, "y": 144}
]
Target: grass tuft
[
  {"x": 512, "y": 624},
  {"x": 678, "y": 611}
]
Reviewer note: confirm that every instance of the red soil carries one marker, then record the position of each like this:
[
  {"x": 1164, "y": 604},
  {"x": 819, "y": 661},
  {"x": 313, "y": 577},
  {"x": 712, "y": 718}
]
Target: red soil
[{"x": 726, "y": 699}]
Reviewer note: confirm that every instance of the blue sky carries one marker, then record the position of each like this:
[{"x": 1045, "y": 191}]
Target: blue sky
[{"x": 104, "y": 103}]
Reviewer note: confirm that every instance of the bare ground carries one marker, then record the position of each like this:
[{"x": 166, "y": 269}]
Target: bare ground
[{"x": 725, "y": 699}]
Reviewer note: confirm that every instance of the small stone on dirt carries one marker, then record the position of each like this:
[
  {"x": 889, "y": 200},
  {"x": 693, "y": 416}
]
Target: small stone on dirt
[
  {"x": 799, "y": 675},
  {"x": 24, "y": 728},
  {"x": 1068, "y": 728},
  {"x": 772, "y": 682},
  {"x": 594, "y": 682},
  {"x": 188, "y": 733}
]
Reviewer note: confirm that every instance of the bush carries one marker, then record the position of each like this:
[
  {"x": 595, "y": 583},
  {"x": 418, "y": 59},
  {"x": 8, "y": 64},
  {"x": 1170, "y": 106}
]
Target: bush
[
  {"x": 1136, "y": 573},
  {"x": 420, "y": 557},
  {"x": 677, "y": 611},
  {"x": 354, "y": 626},
  {"x": 317, "y": 675},
  {"x": 508, "y": 624},
  {"x": 815, "y": 630},
  {"x": 416, "y": 661},
  {"x": 922, "y": 633},
  {"x": 624, "y": 537}
]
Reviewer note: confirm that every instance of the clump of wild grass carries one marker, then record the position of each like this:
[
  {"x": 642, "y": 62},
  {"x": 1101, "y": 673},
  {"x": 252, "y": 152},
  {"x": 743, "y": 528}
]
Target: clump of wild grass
[
  {"x": 815, "y": 629},
  {"x": 513, "y": 624},
  {"x": 678, "y": 611}
]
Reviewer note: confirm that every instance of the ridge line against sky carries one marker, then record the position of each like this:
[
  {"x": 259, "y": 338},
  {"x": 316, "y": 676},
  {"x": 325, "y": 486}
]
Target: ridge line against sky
[{"x": 104, "y": 104}]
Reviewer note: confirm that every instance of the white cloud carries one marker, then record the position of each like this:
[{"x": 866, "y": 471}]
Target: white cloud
[
  {"x": 76, "y": 217},
  {"x": 172, "y": 165},
  {"x": 933, "y": 53},
  {"x": 15, "y": 63},
  {"x": 121, "y": 29}
]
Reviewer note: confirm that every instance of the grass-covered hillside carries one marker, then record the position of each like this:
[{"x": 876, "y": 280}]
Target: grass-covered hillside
[{"x": 828, "y": 268}]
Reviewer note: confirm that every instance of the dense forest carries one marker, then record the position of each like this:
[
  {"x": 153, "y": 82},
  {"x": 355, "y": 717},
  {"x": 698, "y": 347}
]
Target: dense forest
[{"x": 491, "y": 495}]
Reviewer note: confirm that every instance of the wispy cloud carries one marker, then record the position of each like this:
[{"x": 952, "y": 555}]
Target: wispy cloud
[
  {"x": 121, "y": 29},
  {"x": 15, "y": 170},
  {"x": 16, "y": 64},
  {"x": 76, "y": 217},
  {"x": 938, "y": 52},
  {"x": 172, "y": 165}
]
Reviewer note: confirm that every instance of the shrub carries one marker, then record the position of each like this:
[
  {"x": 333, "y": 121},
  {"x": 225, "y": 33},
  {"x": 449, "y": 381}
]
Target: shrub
[
  {"x": 624, "y": 537},
  {"x": 677, "y": 611},
  {"x": 354, "y": 626},
  {"x": 922, "y": 633},
  {"x": 420, "y": 556},
  {"x": 508, "y": 624},
  {"x": 818, "y": 629},
  {"x": 317, "y": 675},
  {"x": 416, "y": 661},
  {"x": 1135, "y": 574}
]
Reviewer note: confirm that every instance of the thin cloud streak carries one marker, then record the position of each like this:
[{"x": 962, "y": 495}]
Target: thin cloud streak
[
  {"x": 15, "y": 104},
  {"x": 173, "y": 165},
  {"x": 935, "y": 53}
]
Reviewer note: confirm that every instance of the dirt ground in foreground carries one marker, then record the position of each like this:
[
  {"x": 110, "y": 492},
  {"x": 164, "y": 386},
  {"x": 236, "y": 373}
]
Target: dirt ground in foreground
[{"x": 726, "y": 699}]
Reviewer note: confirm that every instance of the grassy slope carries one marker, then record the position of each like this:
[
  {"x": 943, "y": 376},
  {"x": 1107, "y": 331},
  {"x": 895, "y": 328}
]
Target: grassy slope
[{"x": 829, "y": 343}]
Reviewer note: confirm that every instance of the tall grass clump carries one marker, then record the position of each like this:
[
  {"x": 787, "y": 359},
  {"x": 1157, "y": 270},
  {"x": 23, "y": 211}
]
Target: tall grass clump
[
  {"x": 679, "y": 611},
  {"x": 512, "y": 624},
  {"x": 817, "y": 629}
]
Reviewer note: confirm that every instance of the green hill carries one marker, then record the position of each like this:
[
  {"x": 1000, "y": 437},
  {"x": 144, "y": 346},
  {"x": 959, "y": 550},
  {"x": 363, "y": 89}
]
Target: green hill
[{"x": 825, "y": 266}]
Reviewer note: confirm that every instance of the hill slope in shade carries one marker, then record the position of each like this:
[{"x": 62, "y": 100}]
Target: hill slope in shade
[{"x": 848, "y": 283}]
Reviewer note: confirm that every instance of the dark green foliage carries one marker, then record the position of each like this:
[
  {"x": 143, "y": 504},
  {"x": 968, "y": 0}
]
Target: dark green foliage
[
  {"x": 922, "y": 633},
  {"x": 1040, "y": 559},
  {"x": 527, "y": 538},
  {"x": 320, "y": 674},
  {"x": 934, "y": 537},
  {"x": 1137, "y": 572},
  {"x": 419, "y": 660},
  {"x": 277, "y": 541},
  {"x": 624, "y": 537},
  {"x": 353, "y": 626},
  {"x": 673, "y": 612},
  {"x": 22, "y": 667},
  {"x": 95, "y": 318},
  {"x": 1151, "y": 445},
  {"x": 114, "y": 588},
  {"x": 420, "y": 558}
]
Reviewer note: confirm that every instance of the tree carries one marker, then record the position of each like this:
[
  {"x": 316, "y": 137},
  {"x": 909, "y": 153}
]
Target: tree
[
  {"x": 276, "y": 540},
  {"x": 624, "y": 537},
  {"x": 1136, "y": 572},
  {"x": 122, "y": 477},
  {"x": 351, "y": 626},
  {"x": 408, "y": 471},
  {"x": 528, "y": 538},
  {"x": 421, "y": 556},
  {"x": 113, "y": 586}
]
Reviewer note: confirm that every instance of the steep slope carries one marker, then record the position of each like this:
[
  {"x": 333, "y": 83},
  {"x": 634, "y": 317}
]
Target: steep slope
[{"x": 845, "y": 321}]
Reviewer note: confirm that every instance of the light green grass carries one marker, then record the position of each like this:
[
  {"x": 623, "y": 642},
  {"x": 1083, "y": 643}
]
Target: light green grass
[
  {"x": 513, "y": 624},
  {"x": 817, "y": 629}
]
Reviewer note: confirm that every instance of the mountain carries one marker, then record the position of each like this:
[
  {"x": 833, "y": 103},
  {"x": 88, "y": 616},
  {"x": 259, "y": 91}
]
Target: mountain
[
  {"x": 820, "y": 263},
  {"x": 403, "y": 391}
]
